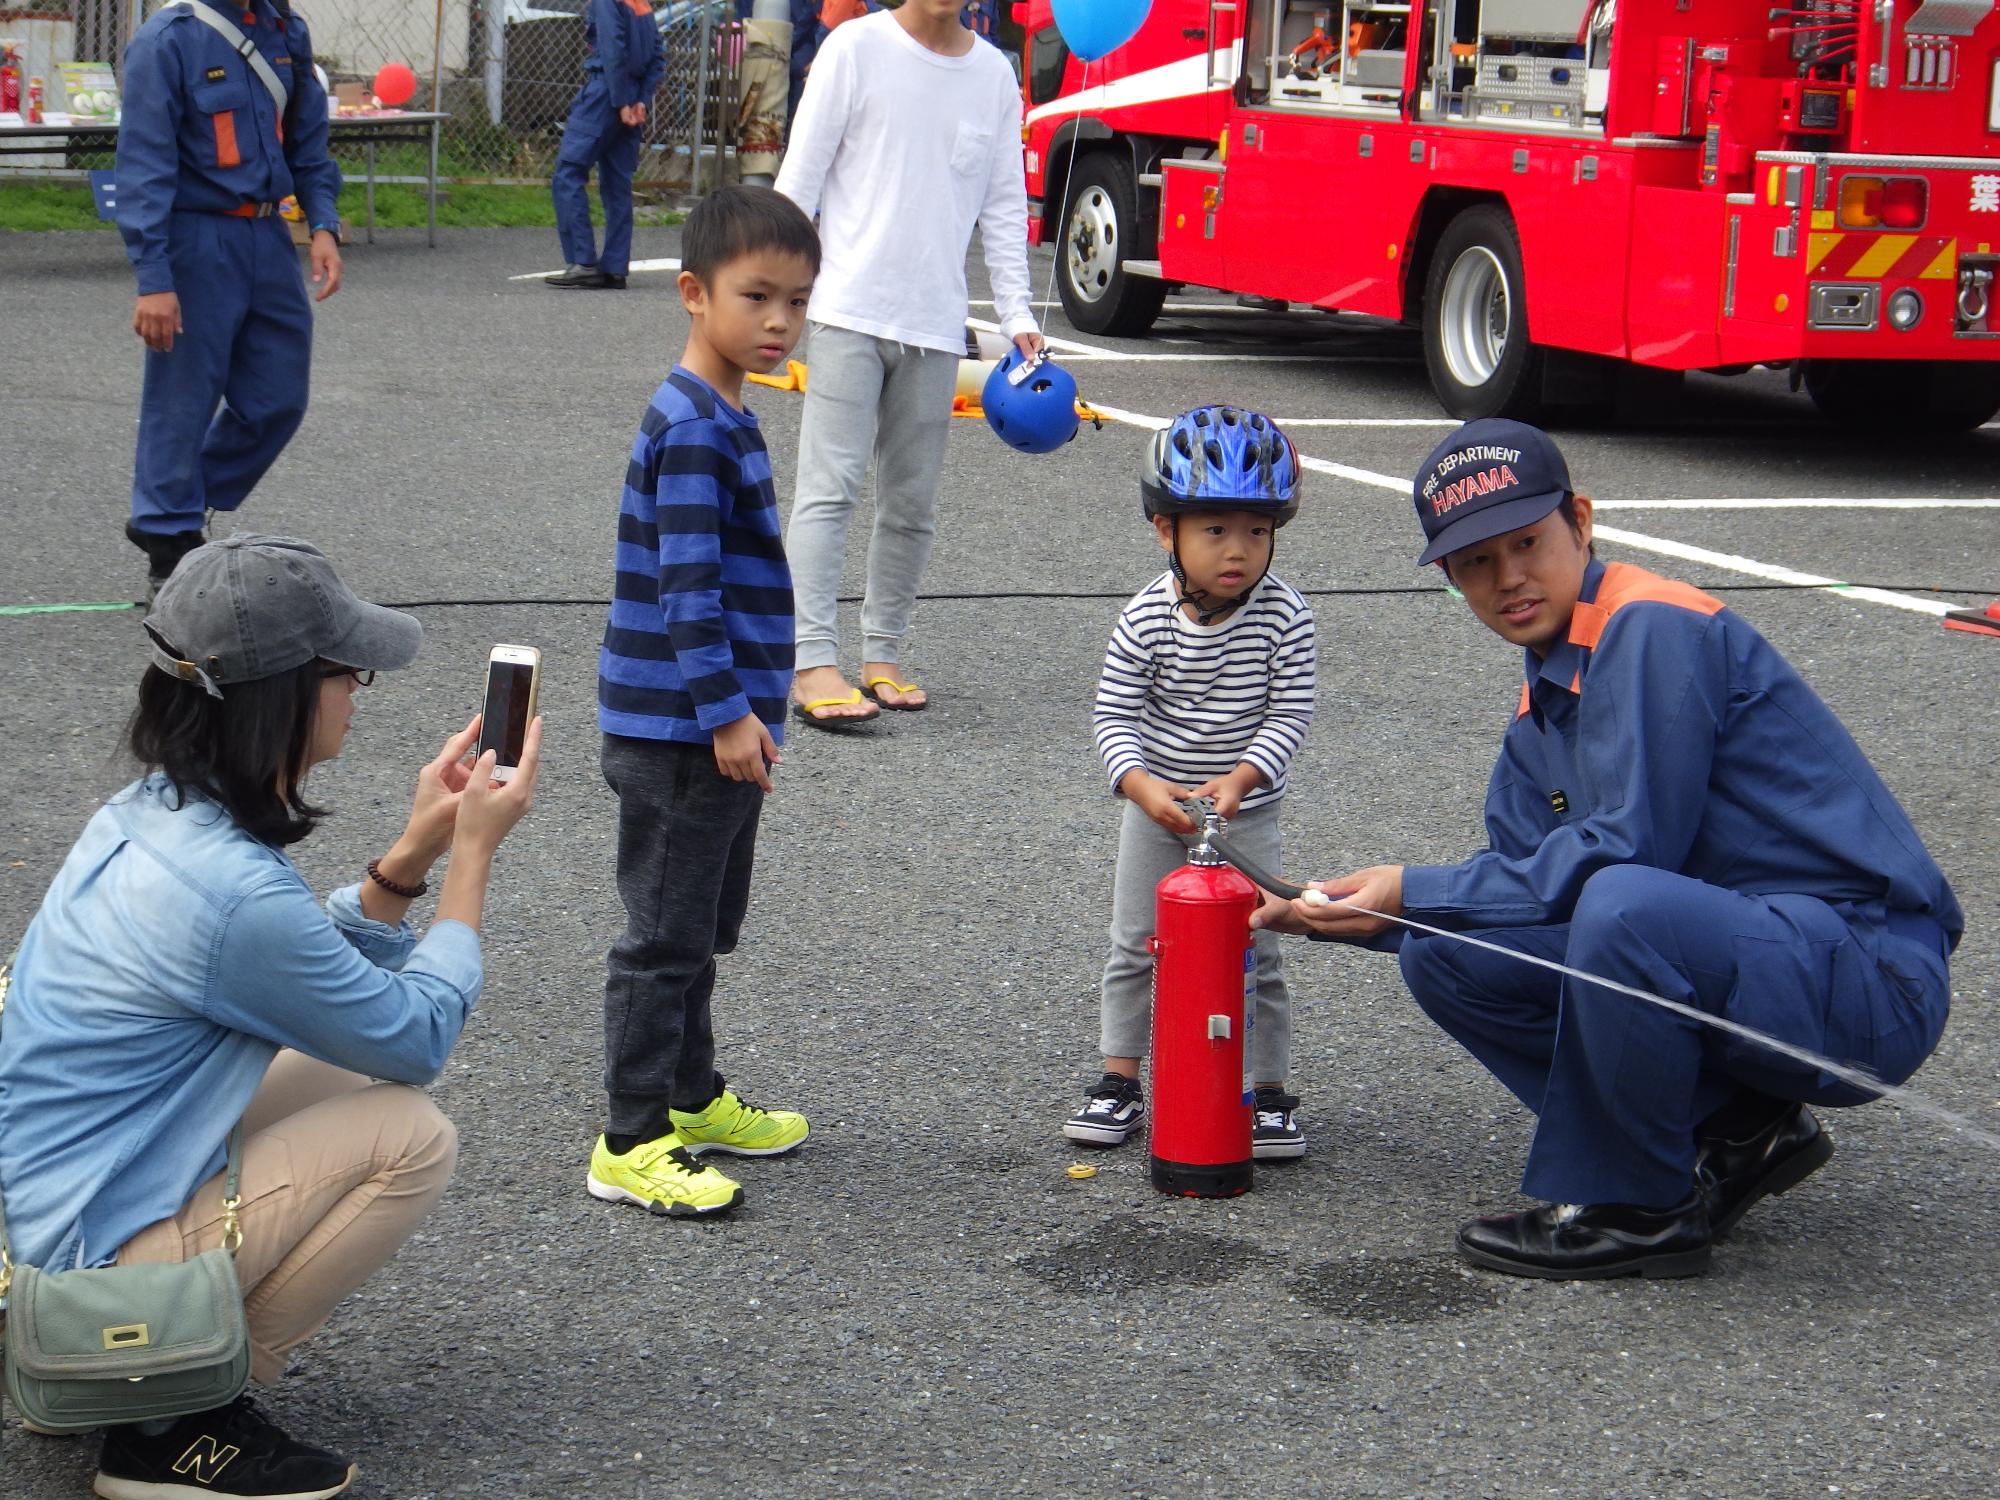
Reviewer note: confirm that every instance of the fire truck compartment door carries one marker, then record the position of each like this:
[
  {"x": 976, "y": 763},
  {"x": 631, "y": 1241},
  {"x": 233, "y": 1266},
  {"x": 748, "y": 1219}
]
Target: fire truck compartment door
[
  {"x": 1305, "y": 218},
  {"x": 1193, "y": 199}
]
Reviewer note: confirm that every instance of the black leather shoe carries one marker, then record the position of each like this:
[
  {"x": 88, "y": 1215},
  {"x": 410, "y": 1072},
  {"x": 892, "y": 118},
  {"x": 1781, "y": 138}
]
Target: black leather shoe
[
  {"x": 1591, "y": 1242},
  {"x": 584, "y": 279},
  {"x": 1734, "y": 1174}
]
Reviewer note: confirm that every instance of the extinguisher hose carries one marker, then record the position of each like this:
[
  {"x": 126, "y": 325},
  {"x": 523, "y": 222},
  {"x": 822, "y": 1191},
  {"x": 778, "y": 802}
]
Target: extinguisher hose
[
  {"x": 1859, "y": 1078},
  {"x": 1199, "y": 809},
  {"x": 1249, "y": 867}
]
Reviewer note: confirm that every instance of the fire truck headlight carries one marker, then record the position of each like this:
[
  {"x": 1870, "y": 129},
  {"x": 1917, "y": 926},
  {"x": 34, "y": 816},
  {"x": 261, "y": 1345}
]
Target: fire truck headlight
[{"x": 1906, "y": 309}]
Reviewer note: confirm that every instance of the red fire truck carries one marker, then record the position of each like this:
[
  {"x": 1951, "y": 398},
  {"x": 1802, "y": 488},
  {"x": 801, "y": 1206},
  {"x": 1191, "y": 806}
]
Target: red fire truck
[{"x": 1566, "y": 195}]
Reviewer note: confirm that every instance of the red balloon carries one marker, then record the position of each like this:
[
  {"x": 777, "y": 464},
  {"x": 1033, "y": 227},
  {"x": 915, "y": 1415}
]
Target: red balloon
[{"x": 394, "y": 85}]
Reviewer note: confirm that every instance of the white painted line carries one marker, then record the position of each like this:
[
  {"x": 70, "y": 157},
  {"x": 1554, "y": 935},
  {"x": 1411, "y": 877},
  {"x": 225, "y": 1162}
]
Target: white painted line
[
  {"x": 1764, "y": 502},
  {"x": 1772, "y": 572},
  {"x": 1367, "y": 421},
  {"x": 667, "y": 264},
  {"x": 1729, "y": 562},
  {"x": 1172, "y": 307},
  {"x": 1076, "y": 351}
]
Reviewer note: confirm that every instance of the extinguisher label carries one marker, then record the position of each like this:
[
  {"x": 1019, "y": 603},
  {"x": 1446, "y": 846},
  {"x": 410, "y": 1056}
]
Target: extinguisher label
[{"x": 1249, "y": 1018}]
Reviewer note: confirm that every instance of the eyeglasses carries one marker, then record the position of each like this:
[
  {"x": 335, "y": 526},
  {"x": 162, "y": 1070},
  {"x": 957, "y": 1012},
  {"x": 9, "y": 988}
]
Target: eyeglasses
[{"x": 363, "y": 676}]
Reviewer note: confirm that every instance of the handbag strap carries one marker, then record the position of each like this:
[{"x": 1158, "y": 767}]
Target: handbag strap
[{"x": 232, "y": 1197}]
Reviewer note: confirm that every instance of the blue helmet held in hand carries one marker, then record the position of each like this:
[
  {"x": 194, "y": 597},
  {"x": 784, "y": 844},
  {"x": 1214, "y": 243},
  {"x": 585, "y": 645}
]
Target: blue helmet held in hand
[
  {"x": 1037, "y": 413},
  {"x": 1221, "y": 458}
]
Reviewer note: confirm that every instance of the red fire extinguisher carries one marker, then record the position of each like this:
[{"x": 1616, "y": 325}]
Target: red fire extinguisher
[{"x": 1204, "y": 973}]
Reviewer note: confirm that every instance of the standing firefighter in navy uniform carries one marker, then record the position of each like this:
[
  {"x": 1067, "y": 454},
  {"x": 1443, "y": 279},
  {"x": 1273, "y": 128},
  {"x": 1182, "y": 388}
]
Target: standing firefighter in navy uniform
[
  {"x": 604, "y": 129},
  {"x": 1673, "y": 809},
  {"x": 223, "y": 118}
]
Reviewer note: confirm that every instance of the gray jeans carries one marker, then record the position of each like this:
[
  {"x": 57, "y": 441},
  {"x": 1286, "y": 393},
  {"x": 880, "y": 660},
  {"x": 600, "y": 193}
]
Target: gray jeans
[
  {"x": 1147, "y": 854},
  {"x": 866, "y": 397}
]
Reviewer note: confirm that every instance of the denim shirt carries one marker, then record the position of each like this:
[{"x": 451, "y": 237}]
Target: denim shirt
[{"x": 172, "y": 957}]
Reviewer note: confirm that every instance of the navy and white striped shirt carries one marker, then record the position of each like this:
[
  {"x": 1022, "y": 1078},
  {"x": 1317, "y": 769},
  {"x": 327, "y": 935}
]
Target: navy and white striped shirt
[
  {"x": 700, "y": 632},
  {"x": 1188, "y": 702}
]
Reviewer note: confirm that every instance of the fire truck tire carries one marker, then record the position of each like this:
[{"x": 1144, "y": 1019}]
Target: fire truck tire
[
  {"x": 1908, "y": 396},
  {"x": 1476, "y": 320},
  {"x": 1100, "y": 231}
]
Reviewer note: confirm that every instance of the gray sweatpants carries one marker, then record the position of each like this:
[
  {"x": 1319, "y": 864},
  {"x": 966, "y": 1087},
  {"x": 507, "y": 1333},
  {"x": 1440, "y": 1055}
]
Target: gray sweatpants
[
  {"x": 1147, "y": 854},
  {"x": 866, "y": 397}
]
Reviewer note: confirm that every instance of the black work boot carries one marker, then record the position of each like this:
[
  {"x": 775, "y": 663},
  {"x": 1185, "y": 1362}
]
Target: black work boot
[
  {"x": 163, "y": 554},
  {"x": 1588, "y": 1242},
  {"x": 1737, "y": 1166},
  {"x": 584, "y": 279}
]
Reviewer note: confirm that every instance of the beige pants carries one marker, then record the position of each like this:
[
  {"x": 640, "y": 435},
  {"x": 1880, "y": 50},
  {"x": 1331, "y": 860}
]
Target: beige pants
[{"x": 337, "y": 1174}]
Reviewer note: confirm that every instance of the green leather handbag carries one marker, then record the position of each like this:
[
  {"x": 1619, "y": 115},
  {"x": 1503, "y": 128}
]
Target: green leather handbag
[{"x": 92, "y": 1348}]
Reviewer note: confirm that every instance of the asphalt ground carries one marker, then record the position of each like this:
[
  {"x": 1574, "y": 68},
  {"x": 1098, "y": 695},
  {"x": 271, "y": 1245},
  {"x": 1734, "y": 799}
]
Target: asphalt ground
[{"x": 921, "y": 1302}]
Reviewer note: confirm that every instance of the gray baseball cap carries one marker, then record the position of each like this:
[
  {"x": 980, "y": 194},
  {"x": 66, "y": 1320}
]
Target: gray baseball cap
[{"x": 250, "y": 606}]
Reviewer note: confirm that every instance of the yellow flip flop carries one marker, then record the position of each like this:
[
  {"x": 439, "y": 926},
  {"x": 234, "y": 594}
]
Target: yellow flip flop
[
  {"x": 902, "y": 687},
  {"x": 841, "y": 724}
]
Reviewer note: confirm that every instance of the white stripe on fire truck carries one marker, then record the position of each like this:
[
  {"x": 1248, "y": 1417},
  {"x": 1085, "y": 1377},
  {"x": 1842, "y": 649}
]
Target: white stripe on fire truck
[{"x": 1186, "y": 78}]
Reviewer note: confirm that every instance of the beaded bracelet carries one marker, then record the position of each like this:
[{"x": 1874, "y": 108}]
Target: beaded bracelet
[{"x": 407, "y": 892}]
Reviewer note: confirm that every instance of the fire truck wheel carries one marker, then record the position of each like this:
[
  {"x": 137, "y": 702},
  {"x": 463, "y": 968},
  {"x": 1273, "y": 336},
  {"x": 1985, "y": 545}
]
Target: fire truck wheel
[
  {"x": 1904, "y": 395},
  {"x": 1100, "y": 231},
  {"x": 1476, "y": 320}
]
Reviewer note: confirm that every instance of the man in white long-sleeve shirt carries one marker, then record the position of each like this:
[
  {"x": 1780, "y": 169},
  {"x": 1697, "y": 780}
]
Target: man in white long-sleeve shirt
[{"x": 907, "y": 138}]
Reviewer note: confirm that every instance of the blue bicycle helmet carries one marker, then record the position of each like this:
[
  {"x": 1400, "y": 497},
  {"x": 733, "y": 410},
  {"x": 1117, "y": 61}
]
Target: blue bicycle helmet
[
  {"x": 1221, "y": 458},
  {"x": 1037, "y": 414}
]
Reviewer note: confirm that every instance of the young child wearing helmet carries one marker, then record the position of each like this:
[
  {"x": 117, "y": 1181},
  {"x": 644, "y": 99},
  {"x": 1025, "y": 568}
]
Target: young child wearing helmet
[{"x": 1207, "y": 690}]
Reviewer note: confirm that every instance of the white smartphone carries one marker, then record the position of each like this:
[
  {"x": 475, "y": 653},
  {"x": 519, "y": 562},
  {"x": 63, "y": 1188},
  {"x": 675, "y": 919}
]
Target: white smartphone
[{"x": 513, "y": 678}]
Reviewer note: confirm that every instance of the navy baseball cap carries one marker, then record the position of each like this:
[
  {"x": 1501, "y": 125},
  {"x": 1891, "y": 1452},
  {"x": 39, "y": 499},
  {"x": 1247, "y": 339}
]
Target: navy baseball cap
[{"x": 1488, "y": 478}]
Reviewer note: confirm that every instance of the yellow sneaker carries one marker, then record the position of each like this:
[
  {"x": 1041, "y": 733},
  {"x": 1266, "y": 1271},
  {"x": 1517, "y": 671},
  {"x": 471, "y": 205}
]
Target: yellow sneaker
[
  {"x": 662, "y": 1177},
  {"x": 729, "y": 1124}
]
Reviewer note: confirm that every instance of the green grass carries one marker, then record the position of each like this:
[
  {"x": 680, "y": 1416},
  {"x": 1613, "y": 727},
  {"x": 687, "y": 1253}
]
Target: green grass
[{"x": 36, "y": 206}]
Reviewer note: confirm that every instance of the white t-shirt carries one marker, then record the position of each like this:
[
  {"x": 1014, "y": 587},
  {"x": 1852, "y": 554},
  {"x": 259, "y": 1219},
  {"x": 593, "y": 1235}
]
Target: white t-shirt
[{"x": 900, "y": 151}]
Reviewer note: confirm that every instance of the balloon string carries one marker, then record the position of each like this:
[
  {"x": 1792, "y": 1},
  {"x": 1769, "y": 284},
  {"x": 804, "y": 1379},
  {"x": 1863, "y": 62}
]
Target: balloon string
[{"x": 1068, "y": 181}]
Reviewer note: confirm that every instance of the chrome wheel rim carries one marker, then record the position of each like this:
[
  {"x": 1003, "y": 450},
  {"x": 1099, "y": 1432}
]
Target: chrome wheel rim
[
  {"x": 1477, "y": 315},
  {"x": 1090, "y": 250}
]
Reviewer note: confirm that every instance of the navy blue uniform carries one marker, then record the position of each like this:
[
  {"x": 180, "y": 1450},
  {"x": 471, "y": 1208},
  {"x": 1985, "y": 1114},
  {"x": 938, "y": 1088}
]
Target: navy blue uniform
[
  {"x": 626, "y": 64},
  {"x": 1674, "y": 808},
  {"x": 200, "y": 145}
]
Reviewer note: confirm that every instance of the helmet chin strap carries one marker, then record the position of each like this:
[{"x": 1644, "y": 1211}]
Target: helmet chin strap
[{"x": 1204, "y": 614}]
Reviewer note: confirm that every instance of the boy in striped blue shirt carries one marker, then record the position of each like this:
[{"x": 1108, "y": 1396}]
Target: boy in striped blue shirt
[
  {"x": 692, "y": 683},
  {"x": 1207, "y": 690}
]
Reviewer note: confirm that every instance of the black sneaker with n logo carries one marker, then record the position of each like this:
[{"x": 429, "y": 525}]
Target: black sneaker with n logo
[{"x": 234, "y": 1450}]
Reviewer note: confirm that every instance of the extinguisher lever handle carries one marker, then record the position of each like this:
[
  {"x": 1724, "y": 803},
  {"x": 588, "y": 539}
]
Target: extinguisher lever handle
[{"x": 1202, "y": 810}]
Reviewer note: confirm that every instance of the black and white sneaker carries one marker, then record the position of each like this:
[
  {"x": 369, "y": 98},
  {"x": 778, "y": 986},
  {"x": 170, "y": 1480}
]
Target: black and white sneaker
[
  {"x": 234, "y": 1450},
  {"x": 1275, "y": 1133},
  {"x": 1116, "y": 1107}
]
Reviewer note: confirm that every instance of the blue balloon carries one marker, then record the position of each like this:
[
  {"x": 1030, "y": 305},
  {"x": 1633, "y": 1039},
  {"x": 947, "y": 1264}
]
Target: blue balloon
[{"x": 1094, "y": 27}]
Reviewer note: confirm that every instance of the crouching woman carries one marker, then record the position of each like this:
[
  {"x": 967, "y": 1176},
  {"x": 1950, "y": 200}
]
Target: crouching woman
[{"x": 180, "y": 977}]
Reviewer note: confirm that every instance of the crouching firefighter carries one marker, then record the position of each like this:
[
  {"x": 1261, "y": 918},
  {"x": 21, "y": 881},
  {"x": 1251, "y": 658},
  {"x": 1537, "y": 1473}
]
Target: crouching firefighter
[{"x": 1674, "y": 809}]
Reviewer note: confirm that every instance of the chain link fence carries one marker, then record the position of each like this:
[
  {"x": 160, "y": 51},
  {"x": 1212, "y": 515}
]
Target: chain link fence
[{"x": 504, "y": 71}]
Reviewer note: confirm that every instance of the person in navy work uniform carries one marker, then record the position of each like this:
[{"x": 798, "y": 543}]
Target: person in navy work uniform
[
  {"x": 1674, "y": 809},
  {"x": 223, "y": 118},
  {"x": 605, "y": 123}
]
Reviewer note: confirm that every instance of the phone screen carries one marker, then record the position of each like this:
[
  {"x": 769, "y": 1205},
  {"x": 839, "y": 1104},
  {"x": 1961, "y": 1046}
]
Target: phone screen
[{"x": 509, "y": 697}]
